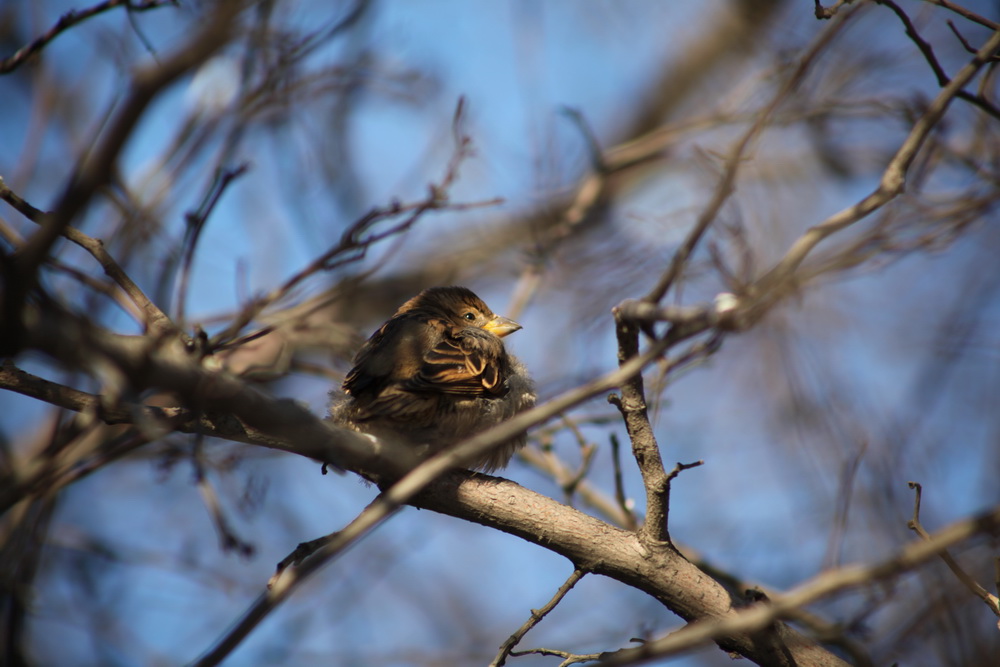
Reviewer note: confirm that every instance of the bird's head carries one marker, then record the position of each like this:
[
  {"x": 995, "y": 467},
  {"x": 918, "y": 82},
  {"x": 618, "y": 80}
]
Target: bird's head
[{"x": 461, "y": 308}]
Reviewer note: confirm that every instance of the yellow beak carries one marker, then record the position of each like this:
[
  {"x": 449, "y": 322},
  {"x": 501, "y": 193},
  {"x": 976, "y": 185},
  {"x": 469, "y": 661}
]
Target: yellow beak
[{"x": 501, "y": 326}]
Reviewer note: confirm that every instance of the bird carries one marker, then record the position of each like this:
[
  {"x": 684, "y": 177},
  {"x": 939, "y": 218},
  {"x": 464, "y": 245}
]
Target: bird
[{"x": 435, "y": 373}]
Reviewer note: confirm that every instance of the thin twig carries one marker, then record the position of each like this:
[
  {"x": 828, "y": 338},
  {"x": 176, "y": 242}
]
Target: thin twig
[
  {"x": 626, "y": 506},
  {"x": 151, "y": 317},
  {"x": 195, "y": 224},
  {"x": 893, "y": 178},
  {"x": 359, "y": 237},
  {"x": 302, "y": 551},
  {"x": 536, "y": 616},
  {"x": 928, "y": 53},
  {"x": 965, "y": 13},
  {"x": 228, "y": 539},
  {"x": 914, "y": 524},
  {"x": 727, "y": 181},
  {"x": 70, "y": 19}
]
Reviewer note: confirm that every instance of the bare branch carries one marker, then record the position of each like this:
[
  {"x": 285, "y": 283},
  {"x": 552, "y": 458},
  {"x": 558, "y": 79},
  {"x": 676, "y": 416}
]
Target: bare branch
[
  {"x": 966, "y": 13},
  {"x": 928, "y": 52},
  {"x": 70, "y": 19},
  {"x": 228, "y": 539},
  {"x": 914, "y": 524},
  {"x": 536, "y": 617},
  {"x": 727, "y": 181},
  {"x": 761, "y": 616},
  {"x": 95, "y": 169},
  {"x": 359, "y": 237},
  {"x": 646, "y": 451},
  {"x": 154, "y": 320},
  {"x": 282, "y": 585},
  {"x": 195, "y": 223},
  {"x": 893, "y": 178}
]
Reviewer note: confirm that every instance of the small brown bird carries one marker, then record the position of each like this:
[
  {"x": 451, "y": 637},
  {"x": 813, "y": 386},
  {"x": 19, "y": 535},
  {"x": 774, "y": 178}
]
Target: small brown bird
[{"x": 435, "y": 373}]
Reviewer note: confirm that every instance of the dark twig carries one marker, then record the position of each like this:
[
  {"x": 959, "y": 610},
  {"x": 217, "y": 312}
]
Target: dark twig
[
  {"x": 360, "y": 236},
  {"x": 590, "y": 139},
  {"x": 928, "y": 53},
  {"x": 623, "y": 502},
  {"x": 671, "y": 476},
  {"x": 890, "y": 185},
  {"x": 681, "y": 467},
  {"x": 152, "y": 318},
  {"x": 727, "y": 180},
  {"x": 914, "y": 524},
  {"x": 353, "y": 247},
  {"x": 299, "y": 554},
  {"x": 70, "y": 19},
  {"x": 228, "y": 539},
  {"x": 536, "y": 616},
  {"x": 195, "y": 224},
  {"x": 961, "y": 38},
  {"x": 94, "y": 170}
]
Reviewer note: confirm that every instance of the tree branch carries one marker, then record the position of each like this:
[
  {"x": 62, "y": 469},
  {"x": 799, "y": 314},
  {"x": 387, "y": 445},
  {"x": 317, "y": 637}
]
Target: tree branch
[
  {"x": 94, "y": 169},
  {"x": 893, "y": 178},
  {"x": 70, "y": 19},
  {"x": 762, "y": 615}
]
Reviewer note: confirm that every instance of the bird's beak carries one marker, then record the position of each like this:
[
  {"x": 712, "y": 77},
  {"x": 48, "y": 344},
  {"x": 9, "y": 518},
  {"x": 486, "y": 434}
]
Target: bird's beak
[{"x": 501, "y": 326}]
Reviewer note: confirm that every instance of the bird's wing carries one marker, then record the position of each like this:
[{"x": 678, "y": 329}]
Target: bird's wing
[
  {"x": 473, "y": 364},
  {"x": 394, "y": 351}
]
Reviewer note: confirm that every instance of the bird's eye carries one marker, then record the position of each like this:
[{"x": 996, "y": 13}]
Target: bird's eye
[{"x": 469, "y": 316}]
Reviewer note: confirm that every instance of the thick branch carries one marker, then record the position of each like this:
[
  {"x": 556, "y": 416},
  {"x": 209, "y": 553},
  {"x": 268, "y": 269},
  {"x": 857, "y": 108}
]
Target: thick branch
[
  {"x": 594, "y": 546},
  {"x": 829, "y": 583},
  {"x": 224, "y": 405}
]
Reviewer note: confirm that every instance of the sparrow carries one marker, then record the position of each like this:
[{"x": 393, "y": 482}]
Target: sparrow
[{"x": 435, "y": 373}]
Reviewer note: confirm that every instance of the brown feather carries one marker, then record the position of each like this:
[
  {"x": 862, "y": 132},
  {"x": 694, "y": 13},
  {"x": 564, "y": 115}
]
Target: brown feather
[{"x": 432, "y": 375}]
